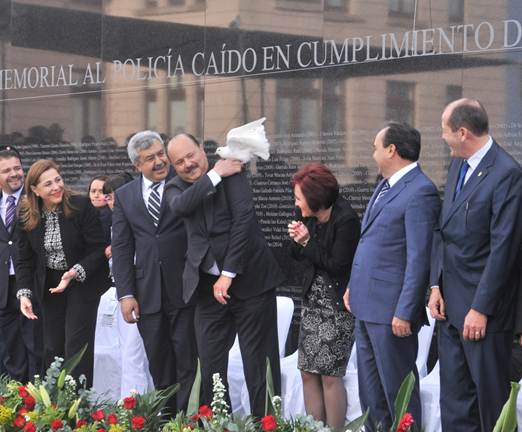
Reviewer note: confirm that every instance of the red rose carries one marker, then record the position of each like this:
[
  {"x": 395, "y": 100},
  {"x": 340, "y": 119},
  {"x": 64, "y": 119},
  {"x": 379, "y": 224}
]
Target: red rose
[
  {"x": 56, "y": 424},
  {"x": 205, "y": 411},
  {"x": 129, "y": 403},
  {"x": 29, "y": 402},
  {"x": 22, "y": 391},
  {"x": 19, "y": 421},
  {"x": 112, "y": 419},
  {"x": 138, "y": 422},
  {"x": 405, "y": 423},
  {"x": 98, "y": 415},
  {"x": 268, "y": 423},
  {"x": 80, "y": 423},
  {"x": 23, "y": 411},
  {"x": 30, "y": 427},
  {"x": 100, "y": 430}
]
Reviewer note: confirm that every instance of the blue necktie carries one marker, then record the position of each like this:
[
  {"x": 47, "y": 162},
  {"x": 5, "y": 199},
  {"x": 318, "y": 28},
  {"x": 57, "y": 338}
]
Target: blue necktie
[
  {"x": 10, "y": 212},
  {"x": 385, "y": 188},
  {"x": 462, "y": 175}
]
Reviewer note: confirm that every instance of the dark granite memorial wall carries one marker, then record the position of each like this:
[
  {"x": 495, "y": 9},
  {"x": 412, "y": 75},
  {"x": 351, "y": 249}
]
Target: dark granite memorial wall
[{"x": 78, "y": 77}]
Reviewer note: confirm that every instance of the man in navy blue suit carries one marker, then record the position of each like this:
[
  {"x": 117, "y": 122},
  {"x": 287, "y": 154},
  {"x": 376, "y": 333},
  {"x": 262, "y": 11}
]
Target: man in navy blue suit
[
  {"x": 390, "y": 274},
  {"x": 473, "y": 276}
]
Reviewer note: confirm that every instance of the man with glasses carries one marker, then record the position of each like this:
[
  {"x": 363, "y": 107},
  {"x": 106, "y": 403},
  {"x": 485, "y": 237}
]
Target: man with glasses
[
  {"x": 148, "y": 255},
  {"x": 20, "y": 337}
]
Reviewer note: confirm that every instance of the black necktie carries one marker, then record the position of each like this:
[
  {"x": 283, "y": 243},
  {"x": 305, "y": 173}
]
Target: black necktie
[{"x": 154, "y": 203}]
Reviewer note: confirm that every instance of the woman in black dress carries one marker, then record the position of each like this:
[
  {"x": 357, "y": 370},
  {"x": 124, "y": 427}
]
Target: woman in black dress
[
  {"x": 61, "y": 264},
  {"x": 326, "y": 239}
]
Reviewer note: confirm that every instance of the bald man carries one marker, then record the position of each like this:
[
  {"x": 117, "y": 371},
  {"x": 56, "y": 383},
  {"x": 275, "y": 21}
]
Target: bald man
[{"x": 473, "y": 291}]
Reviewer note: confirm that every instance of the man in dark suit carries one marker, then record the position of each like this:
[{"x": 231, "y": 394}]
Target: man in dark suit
[
  {"x": 390, "y": 274},
  {"x": 148, "y": 253},
  {"x": 473, "y": 289},
  {"x": 19, "y": 335},
  {"x": 229, "y": 268}
]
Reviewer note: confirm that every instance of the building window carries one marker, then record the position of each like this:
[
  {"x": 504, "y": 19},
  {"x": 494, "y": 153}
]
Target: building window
[
  {"x": 87, "y": 114},
  {"x": 177, "y": 111},
  {"x": 401, "y": 7},
  {"x": 456, "y": 11},
  {"x": 200, "y": 111},
  {"x": 151, "y": 109},
  {"x": 297, "y": 106},
  {"x": 333, "y": 105},
  {"x": 400, "y": 102},
  {"x": 335, "y": 4},
  {"x": 453, "y": 92}
]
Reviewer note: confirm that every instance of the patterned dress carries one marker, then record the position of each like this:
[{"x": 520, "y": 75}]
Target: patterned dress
[{"x": 326, "y": 334}]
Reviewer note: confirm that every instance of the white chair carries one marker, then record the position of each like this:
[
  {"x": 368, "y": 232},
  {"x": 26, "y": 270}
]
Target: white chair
[
  {"x": 425, "y": 337},
  {"x": 351, "y": 384},
  {"x": 107, "y": 355},
  {"x": 430, "y": 394},
  {"x": 236, "y": 377},
  {"x": 120, "y": 362}
]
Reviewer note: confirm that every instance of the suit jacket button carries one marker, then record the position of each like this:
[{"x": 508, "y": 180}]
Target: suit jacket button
[{"x": 10, "y": 242}]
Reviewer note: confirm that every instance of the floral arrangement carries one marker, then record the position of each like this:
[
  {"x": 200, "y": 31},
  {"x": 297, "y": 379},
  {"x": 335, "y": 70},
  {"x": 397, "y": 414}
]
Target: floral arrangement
[{"x": 57, "y": 403}]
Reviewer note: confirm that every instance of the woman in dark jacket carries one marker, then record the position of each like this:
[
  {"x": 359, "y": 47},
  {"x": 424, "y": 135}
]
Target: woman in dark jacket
[
  {"x": 326, "y": 239},
  {"x": 61, "y": 264}
]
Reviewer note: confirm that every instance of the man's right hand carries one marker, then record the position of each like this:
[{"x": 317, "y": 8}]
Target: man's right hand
[
  {"x": 128, "y": 306},
  {"x": 227, "y": 167},
  {"x": 436, "y": 304}
]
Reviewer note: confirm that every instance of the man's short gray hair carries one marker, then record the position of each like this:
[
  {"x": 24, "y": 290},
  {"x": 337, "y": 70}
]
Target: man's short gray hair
[{"x": 141, "y": 141}]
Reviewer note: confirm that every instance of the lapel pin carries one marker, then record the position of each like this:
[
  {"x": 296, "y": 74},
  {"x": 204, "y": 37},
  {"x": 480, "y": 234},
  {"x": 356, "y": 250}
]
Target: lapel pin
[{"x": 479, "y": 174}]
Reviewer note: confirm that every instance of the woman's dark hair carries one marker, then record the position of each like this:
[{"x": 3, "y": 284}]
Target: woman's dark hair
[
  {"x": 318, "y": 184},
  {"x": 102, "y": 178},
  {"x": 116, "y": 181}
]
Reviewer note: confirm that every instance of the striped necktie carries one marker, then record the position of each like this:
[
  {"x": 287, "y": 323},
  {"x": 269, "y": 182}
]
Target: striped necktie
[
  {"x": 385, "y": 188},
  {"x": 154, "y": 203},
  {"x": 10, "y": 212}
]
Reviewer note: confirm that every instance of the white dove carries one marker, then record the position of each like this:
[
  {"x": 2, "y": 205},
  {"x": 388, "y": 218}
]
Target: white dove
[{"x": 246, "y": 141}]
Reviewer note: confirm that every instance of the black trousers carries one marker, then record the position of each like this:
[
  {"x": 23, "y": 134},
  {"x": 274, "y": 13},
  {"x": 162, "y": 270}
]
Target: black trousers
[
  {"x": 69, "y": 322},
  {"x": 255, "y": 321},
  {"x": 474, "y": 379},
  {"x": 21, "y": 339},
  {"x": 173, "y": 362}
]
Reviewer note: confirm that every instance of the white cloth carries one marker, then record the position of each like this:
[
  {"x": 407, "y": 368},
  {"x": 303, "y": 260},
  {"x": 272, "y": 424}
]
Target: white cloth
[{"x": 120, "y": 362}]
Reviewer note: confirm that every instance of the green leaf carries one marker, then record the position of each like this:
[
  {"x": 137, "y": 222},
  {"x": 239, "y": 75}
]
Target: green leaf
[
  {"x": 45, "y": 396},
  {"x": 74, "y": 408},
  {"x": 357, "y": 424},
  {"x": 507, "y": 421},
  {"x": 70, "y": 364},
  {"x": 61, "y": 379},
  {"x": 269, "y": 406},
  {"x": 193, "y": 403},
  {"x": 403, "y": 399}
]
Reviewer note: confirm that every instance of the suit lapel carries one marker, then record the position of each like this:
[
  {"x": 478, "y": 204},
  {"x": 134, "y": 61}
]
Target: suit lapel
[
  {"x": 370, "y": 204},
  {"x": 163, "y": 204},
  {"x": 390, "y": 195},
  {"x": 480, "y": 173},
  {"x": 137, "y": 194}
]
